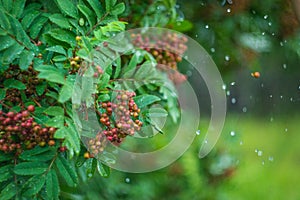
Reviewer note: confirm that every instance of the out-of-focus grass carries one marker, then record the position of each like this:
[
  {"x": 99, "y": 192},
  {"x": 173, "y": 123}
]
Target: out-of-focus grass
[
  {"x": 273, "y": 175},
  {"x": 266, "y": 162}
]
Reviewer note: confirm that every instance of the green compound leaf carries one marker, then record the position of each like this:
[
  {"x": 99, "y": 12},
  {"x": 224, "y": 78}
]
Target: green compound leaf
[
  {"x": 6, "y": 42},
  {"x": 37, "y": 26},
  {"x": 11, "y": 53},
  {"x": 67, "y": 90},
  {"x": 58, "y": 49},
  {"x": 145, "y": 100},
  {"x": 67, "y": 171},
  {"x": 34, "y": 185},
  {"x": 64, "y": 36},
  {"x": 5, "y": 173},
  {"x": 68, "y": 8},
  {"x": 118, "y": 9},
  {"x": 97, "y": 7},
  {"x": 60, "y": 21},
  {"x": 8, "y": 192},
  {"x": 26, "y": 58},
  {"x": 103, "y": 169},
  {"x": 12, "y": 83},
  {"x": 2, "y": 96},
  {"x": 30, "y": 168},
  {"x": 51, "y": 74},
  {"x": 38, "y": 154},
  {"x": 52, "y": 185},
  {"x": 54, "y": 111},
  {"x": 4, "y": 22},
  {"x": 29, "y": 18},
  {"x": 18, "y": 8},
  {"x": 89, "y": 14}
]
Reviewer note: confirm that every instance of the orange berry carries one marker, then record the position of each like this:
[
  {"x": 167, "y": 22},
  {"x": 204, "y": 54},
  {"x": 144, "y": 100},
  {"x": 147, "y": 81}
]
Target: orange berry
[
  {"x": 51, "y": 143},
  {"x": 255, "y": 74},
  {"x": 86, "y": 155}
]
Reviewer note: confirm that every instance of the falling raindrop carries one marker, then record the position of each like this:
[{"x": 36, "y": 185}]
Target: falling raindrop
[
  {"x": 266, "y": 17},
  {"x": 263, "y": 33},
  {"x": 271, "y": 96},
  {"x": 255, "y": 150},
  {"x": 127, "y": 180},
  {"x": 284, "y": 66},
  {"x": 198, "y": 132},
  {"x": 228, "y": 93},
  {"x": 271, "y": 119},
  {"x": 286, "y": 129},
  {"x": 206, "y": 26},
  {"x": 196, "y": 35},
  {"x": 273, "y": 34},
  {"x": 281, "y": 44},
  {"x": 281, "y": 97},
  {"x": 213, "y": 50},
  {"x": 233, "y": 100},
  {"x": 244, "y": 109},
  {"x": 232, "y": 133},
  {"x": 228, "y": 10},
  {"x": 227, "y": 58},
  {"x": 263, "y": 162},
  {"x": 241, "y": 143},
  {"x": 254, "y": 12},
  {"x": 259, "y": 153},
  {"x": 205, "y": 141},
  {"x": 270, "y": 23},
  {"x": 232, "y": 83},
  {"x": 271, "y": 159},
  {"x": 224, "y": 87},
  {"x": 299, "y": 87},
  {"x": 291, "y": 99},
  {"x": 189, "y": 73}
]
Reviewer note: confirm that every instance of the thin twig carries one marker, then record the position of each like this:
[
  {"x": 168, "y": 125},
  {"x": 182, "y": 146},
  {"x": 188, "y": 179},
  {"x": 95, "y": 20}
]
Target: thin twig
[{"x": 97, "y": 24}]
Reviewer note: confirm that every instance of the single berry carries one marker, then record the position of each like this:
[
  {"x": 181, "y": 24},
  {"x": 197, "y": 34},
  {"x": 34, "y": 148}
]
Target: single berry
[
  {"x": 51, "y": 142},
  {"x": 31, "y": 108},
  {"x": 86, "y": 155}
]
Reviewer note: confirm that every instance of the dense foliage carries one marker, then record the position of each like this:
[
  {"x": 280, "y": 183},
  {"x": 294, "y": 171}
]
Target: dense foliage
[{"x": 43, "y": 44}]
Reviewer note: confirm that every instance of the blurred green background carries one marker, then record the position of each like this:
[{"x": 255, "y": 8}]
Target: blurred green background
[{"x": 257, "y": 155}]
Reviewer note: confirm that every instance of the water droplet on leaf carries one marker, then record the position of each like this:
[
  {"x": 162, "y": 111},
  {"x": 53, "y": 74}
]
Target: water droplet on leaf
[
  {"x": 232, "y": 133},
  {"x": 233, "y": 100},
  {"x": 271, "y": 159},
  {"x": 227, "y": 58}
]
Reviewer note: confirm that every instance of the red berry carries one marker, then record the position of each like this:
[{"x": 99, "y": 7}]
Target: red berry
[
  {"x": 31, "y": 108},
  {"x": 10, "y": 114},
  {"x": 25, "y": 113},
  {"x": 52, "y": 130},
  {"x": 62, "y": 149}
]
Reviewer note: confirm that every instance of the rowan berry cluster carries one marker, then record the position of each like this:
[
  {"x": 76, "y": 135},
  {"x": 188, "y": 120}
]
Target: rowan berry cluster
[
  {"x": 27, "y": 77},
  {"x": 75, "y": 64},
  {"x": 118, "y": 119},
  {"x": 19, "y": 131},
  {"x": 167, "y": 50}
]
